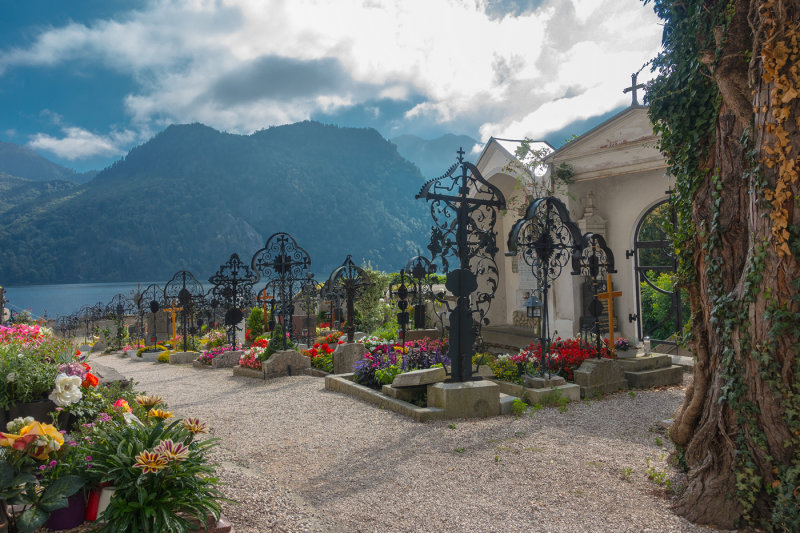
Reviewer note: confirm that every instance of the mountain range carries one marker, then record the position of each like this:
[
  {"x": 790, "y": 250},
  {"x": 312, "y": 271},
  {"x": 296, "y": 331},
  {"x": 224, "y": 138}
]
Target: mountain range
[{"x": 191, "y": 196}]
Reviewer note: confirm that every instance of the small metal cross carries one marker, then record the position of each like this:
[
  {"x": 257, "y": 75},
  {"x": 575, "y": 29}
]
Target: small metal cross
[{"x": 632, "y": 89}]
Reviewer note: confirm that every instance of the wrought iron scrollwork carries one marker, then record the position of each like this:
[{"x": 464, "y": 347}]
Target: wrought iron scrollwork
[
  {"x": 351, "y": 280},
  {"x": 548, "y": 240},
  {"x": 464, "y": 208},
  {"x": 184, "y": 290},
  {"x": 594, "y": 262},
  {"x": 233, "y": 286},
  {"x": 285, "y": 265}
]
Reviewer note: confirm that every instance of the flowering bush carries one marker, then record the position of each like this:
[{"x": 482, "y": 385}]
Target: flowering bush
[
  {"x": 207, "y": 357},
  {"x": 566, "y": 355},
  {"x": 385, "y": 361},
  {"x": 331, "y": 338},
  {"x": 321, "y": 357},
  {"x": 371, "y": 342},
  {"x": 216, "y": 337},
  {"x": 250, "y": 360}
]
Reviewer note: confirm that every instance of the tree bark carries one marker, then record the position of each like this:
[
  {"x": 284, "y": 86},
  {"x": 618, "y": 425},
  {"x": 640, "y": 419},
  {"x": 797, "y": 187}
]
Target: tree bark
[{"x": 711, "y": 427}]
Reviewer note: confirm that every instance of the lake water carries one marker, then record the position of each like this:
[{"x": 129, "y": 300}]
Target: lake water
[{"x": 56, "y": 300}]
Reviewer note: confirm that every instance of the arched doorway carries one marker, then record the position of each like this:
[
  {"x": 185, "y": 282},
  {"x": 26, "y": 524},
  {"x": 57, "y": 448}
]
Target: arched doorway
[{"x": 661, "y": 310}]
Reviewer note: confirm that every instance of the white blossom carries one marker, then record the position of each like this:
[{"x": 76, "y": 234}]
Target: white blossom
[{"x": 67, "y": 390}]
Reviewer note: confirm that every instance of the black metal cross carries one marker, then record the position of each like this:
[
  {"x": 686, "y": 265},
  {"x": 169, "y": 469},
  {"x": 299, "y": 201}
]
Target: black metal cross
[{"x": 632, "y": 89}]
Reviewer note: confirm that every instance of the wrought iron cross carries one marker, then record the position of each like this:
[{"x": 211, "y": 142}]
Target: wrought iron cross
[
  {"x": 464, "y": 209},
  {"x": 595, "y": 262},
  {"x": 233, "y": 282},
  {"x": 632, "y": 89},
  {"x": 351, "y": 279},
  {"x": 285, "y": 264}
]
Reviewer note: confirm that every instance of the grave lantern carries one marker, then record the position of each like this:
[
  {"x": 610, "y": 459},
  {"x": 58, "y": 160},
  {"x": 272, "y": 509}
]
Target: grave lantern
[{"x": 533, "y": 306}]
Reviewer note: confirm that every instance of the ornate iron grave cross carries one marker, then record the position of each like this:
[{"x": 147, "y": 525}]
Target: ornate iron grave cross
[
  {"x": 351, "y": 279},
  {"x": 402, "y": 303},
  {"x": 233, "y": 284},
  {"x": 548, "y": 239},
  {"x": 420, "y": 271},
  {"x": 308, "y": 293},
  {"x": 595, "y": 262},
  {"x": 116, "y": 310},
  {"x": 150, "y": 299},
  {"x": 282, "y": 262},
  {"x": 464, "y": 209},
  {"x": 187, "y": 292}
]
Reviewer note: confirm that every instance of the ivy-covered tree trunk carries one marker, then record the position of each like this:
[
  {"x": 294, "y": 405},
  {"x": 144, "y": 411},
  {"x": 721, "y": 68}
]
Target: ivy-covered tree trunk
[{"x": 727, "y": 105}]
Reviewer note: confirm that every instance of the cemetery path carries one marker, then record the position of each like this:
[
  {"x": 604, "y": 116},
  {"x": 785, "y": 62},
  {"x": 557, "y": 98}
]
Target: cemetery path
[{"x": 299, "y": 458}]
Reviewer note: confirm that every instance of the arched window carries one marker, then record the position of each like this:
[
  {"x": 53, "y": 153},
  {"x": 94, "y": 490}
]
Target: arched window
[{"x": 661, "y": 310}]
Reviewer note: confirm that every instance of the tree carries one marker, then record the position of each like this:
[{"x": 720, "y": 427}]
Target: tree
[{"x": 726, "y": 105}]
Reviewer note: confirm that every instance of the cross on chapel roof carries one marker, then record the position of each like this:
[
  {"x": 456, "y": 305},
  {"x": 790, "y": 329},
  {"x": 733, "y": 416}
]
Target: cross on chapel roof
[{"x": 632, "y": 89}]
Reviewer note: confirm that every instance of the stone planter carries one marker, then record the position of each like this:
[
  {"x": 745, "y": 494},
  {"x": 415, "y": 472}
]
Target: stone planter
[{"x": 626, "y": 354}]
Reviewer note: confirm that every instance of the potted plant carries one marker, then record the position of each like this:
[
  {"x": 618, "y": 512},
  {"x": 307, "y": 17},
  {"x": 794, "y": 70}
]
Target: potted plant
[
  {"x": 623, "y": 348},
  {"x": 160, "y": 472},
  {"x": 38, "y": 471}
]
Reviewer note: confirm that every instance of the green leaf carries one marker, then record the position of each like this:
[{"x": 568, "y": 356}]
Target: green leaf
[
  {"x": 55, "y": 496},
  {"x": 6, "y": 474},
  {"x": 31, "y": 518}
]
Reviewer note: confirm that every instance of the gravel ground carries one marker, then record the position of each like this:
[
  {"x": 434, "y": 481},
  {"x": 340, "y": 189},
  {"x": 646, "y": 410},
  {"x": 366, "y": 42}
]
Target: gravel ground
[{"x": 299, "y": 458}]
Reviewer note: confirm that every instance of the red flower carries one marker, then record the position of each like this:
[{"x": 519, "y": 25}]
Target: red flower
[{"x": 90, "y": 380}]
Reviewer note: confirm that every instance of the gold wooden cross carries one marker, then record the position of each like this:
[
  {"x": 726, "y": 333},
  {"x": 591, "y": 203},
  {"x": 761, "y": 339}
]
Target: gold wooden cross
[
  {"x": 173, "y": 310},
  {"x": 264, "y": 298},
  {"x": 610, "y": 295}
]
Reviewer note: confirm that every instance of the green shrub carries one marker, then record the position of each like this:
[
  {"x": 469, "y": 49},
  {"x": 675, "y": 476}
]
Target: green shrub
[
  {"x": 255, "y": 322},
  {"x": 385, "y": 376},
  {"x": 276, "y": 342},
  {"x": 518, "y": 407},
  {"x": 156, "y": 348},
  {"x": 323, "y": 362}
]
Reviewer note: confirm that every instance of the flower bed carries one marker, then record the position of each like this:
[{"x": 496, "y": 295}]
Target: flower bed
[
  {"x": 321, "y": 357},
  {"x": 207, "y": 357},
  {"x": 380, "y": 366},
  {"x": 566, "y": 355}
]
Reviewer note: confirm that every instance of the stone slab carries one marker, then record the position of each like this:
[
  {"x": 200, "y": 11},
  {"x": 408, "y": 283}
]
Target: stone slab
[
  {"x": 407, "y": 394},
  {"x": 346, "y": 356},
  {"x": 106, "y": 375},
  {"x": 600, "y": 376},
  {"x": 417, "y": 334},
  {"x": 344, "y": 383},
  {"x": 626, "y": 354},
  {"x": 182, "y": 358},
  {"x": 315, "y": 372},
  {"x": 539, "y": 382},
  {"x": 659, "y": 377},
  {"x": 227, "y": 359},
  {"x": 646, "y": 362},
  {"x": 198, "y": 364},
  {"x": 285, "y": 363},
  {"x": 686, "y": 363},
  {"x": 148, "y": 357},
  {"x": 99, "y": 346},
  {"x": 245, "y": 372},
  {"x": 419, "y": 377},
  {"x": 468, "y": 399},
  {"x": 570, "y": 391}
]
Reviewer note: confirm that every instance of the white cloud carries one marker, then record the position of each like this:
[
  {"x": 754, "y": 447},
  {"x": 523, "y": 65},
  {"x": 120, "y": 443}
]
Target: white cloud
[
  {"x": 78, "y": 143},
  {"x": 511, "y": 76}
]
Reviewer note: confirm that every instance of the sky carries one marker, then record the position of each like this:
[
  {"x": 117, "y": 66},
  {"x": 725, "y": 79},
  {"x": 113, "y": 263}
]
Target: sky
[{"x": 82, "y": 82}]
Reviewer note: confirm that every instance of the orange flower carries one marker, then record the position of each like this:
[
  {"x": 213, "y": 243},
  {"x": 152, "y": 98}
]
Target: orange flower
[
  {"x": 122, "y": 405},
  {"x": 48, "y": 436},
  {"x": 90, "y": 380}
]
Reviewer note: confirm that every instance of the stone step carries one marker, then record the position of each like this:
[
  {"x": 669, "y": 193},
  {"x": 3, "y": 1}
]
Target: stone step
[
  {"x": 658, "y": 377},
  {"x": 648, "y": 362}
]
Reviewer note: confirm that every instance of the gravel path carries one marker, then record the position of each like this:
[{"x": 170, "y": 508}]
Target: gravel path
[{"x": 299, "y": 458}]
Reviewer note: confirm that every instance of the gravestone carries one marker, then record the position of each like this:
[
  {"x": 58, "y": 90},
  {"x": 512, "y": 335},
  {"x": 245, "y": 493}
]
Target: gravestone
[
  {"x": 182, "y": 358},
  {"x": 600, "y": 376},
  {"x": 286, "y": 363},
  {"x": 227, "y": 359},
  {"x": 654, "y": 370},
  {"x": 419, "y": 377},
  {"x": 346, "y": 356}
]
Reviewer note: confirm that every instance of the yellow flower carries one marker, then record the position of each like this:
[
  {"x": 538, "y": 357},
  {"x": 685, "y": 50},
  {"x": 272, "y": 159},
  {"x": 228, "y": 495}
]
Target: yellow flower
[
  {"x": 158, "y": 413},
  {"x": 150, "y": 462},
  {"x": 38, "y": 440},
  {"x": 195, "y": 426},
  {"x": 148, "y": 401}
]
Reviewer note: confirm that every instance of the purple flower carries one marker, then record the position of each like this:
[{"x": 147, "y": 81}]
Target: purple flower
[{"x": 53, "y": 462}]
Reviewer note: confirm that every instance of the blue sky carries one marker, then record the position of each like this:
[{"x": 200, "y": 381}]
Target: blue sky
[{"x": 82, "y": 82}]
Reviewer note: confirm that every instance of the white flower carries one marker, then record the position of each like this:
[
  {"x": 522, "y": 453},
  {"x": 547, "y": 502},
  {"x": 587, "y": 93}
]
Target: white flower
[
  {"x": 67, "y": 390},
  {"x": 10, "y": 377}
]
